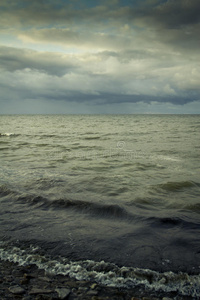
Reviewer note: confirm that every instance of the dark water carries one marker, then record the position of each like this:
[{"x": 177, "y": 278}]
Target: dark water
[{"x": 110, "y": 198}]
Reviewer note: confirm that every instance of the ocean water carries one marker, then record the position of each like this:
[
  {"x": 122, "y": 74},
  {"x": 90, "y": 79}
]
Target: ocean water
[{"x": 110, "y": 198}]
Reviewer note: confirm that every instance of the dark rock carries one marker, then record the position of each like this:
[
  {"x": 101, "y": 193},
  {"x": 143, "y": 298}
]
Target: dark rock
[
  {"x": 82, "y": 289},
  {"x": 47, "y": 279},
  {"x": 30, "y": 276},
  {"x": 17, "y": 290},
  {"x": 44, "y": 297},
  {"x": 82, "y": 282},
  {"x": 8, "y": 278},
  {"x": 63, "y": 293},
  {"x": 92, "y": 293},
  {"x": 71, "y": 284},
  {"x": 36, "y": 291},
  {"x": 24, "y": 281},
  {"x": 26, "y": 298}
]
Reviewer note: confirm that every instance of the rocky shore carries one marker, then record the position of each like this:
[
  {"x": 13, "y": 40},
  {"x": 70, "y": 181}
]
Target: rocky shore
[{"x": 28, "y": 282}]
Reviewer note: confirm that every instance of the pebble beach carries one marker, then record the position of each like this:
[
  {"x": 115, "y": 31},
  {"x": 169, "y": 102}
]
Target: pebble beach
[{"x": 29, "y": 282}]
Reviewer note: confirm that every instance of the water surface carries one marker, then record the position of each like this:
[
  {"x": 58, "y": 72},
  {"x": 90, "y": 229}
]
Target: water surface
[{"x": 122, "y": 189}]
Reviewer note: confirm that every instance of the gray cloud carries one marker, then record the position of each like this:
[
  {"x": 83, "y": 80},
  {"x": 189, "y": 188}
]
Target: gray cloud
[
  {"x": 170, "y": 14},
  {"x": 58, "y": 64},
  {"x": 176, "y": 14},
  {"x": 131, "y": 75},
  {"x": 38, "y": 13},
  {"x": 104, "y": 55},
  {"x": 174, "y": 23}
]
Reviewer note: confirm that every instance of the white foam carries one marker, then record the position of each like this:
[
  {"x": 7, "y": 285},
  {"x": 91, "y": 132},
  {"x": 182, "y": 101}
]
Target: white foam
[
  {"x": 6, "y": 134},
  {"x": 168, "y": 158}
]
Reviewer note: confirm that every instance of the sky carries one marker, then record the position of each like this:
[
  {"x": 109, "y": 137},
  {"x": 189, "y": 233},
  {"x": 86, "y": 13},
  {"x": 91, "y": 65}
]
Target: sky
[{"x": 99, "y": 57}]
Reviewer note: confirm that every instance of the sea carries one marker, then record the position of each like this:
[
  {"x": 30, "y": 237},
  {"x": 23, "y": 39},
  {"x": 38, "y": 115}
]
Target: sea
[{"x": 114, "y": 199}]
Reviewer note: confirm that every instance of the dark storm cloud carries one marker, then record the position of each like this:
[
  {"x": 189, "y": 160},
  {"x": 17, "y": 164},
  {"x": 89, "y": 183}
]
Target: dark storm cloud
[
  {"x": 174, "y": 14},
  {"x": 172, "y": 21},
  {"x": 12, "y": 59},
  {"x": 175, "y": 22},
  {"x": 39, "y": 13},
  {"x": 162, "y": 14}
]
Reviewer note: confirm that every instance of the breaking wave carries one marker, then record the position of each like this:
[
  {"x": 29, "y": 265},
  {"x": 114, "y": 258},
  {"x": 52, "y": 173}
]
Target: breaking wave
[
  {"x": 104, "y": 273},
  {"x": 8, "y": 134}
]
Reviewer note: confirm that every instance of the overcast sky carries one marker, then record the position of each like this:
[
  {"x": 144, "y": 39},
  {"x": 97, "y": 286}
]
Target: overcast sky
[{"x": 113, "y": 56}]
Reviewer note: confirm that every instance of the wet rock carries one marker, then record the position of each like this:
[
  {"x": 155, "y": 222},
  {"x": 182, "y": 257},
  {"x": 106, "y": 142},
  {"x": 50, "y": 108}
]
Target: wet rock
[
  {"x": 100, "y": 298},
  {"x": 82, "y": 290},
  {"x": 150, "y": 298},
  {"x": 47, "y": 279},
  {"x": 63, "y": 293},
  {"x": 17, "y": 290},
  {"x": 17, "y": 273},
  {"x": 93, "y": 286},
  {"x": 82, "y": 283},
  {"x": 8, "y": 278},
  {"x": 92, "y": 293},
  {"x": 36, "y": 291},
  {"x": 71, "y": 284},
  {"x": 25, "y": 279},
  {"x": 26, "y": 298},
  {"x": 44, "y": 297}
]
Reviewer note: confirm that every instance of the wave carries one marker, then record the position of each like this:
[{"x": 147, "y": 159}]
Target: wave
[
  {"x": 168, "y": 222},
  {"x": 5, "y": 190},
  {"x": 92, "y": 138},
  {"x": 40, "y": 136},
  {"x": 8, "y": 134},
  {"x": 166, "y": 158},
  {"x": 102, "y": 210},
  {"x": 105, "y": 273},
  {"x": 192, "y": 207},
  {"x": 94, "y": 209},
  {"x": 173, "y": 186},
  {"x": 147, "y": 166}
]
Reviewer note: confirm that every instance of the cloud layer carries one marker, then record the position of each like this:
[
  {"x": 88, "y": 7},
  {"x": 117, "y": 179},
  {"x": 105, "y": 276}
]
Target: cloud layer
[{"x": 93, "y": 55}]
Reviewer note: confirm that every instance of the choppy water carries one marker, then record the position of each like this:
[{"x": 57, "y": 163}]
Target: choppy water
[{"x": 110, "y": 198}]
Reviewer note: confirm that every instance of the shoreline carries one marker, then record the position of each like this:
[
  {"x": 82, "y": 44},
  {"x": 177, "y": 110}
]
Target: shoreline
[{"x": 29, "y": 282}]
